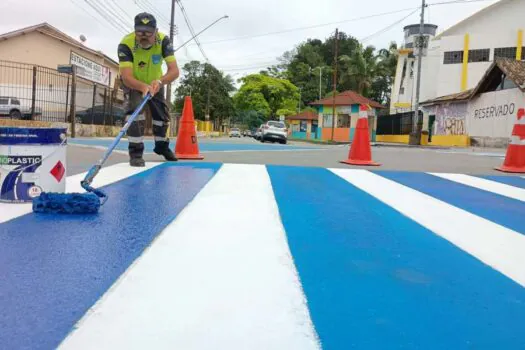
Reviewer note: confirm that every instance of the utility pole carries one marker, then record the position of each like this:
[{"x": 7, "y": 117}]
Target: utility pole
[
  {"x": 336, "y": 43},
  {"x": 320, "y": 77},
  {"x": 415, "y": 137},
  {"x": 172, "y": 38}
]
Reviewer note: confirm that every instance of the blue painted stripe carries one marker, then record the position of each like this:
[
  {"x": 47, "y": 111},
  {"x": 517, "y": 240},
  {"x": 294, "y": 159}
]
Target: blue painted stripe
[
  {"x": 494, "y": 207},
  {"x": 375, "y": 279},
  {"x": 516, "y": 181},
  {"x": 54, "y": 268}
]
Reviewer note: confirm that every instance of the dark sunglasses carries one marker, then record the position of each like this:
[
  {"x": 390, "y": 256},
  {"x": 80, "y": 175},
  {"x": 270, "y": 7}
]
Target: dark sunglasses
[{"x": 146, "y": 34}]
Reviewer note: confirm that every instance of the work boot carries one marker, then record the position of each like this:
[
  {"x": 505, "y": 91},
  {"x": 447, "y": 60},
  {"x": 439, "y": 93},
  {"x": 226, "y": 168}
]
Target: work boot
[
  {"x": 137, "y": 162},
  {"x": 162, "y": 148}
]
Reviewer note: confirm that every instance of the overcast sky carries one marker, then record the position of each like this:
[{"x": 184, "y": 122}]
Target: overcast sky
[{"x": 246, "y": 18}]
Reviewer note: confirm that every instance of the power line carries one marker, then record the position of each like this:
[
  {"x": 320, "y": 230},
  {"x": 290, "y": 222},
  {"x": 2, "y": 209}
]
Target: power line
[
  {"x": 192, "y": 31},
  {"x": 113, "y": 14},
  {"x": 455, "y": 2},
  {"x": 159, "y": 14},
  {"x": 119, "y": 8},
  {"x": 311, "y": 27},
  {"x": 153, "y": 10},
  {"x": 92, "y": 16},
  {"x": 388, "y": 27},
  {"x": 110, "y": 20}
]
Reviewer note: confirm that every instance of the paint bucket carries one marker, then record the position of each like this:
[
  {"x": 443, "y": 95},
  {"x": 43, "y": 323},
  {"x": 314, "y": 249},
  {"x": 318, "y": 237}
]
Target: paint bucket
[{"x": 32, "y": 161}]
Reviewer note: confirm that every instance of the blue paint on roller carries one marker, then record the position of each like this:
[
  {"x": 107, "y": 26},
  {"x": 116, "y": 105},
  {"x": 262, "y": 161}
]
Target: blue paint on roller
[
  {"x": 70, "y": 203},
  {"x": 374, "y": 279},
  {"x": 502, "y": 210},
  {"x": 53, "y": 268}
]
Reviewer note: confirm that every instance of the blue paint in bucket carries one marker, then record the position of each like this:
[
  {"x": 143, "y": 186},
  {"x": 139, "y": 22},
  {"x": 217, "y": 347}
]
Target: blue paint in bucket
[{"x": 32, "y": 161}]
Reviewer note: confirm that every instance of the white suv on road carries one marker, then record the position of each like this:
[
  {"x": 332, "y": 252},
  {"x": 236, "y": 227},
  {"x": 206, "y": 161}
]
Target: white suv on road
[{"x": 274, "y": 131}]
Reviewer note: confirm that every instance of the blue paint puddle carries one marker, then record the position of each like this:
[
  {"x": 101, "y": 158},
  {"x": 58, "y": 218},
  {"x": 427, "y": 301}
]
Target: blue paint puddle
[
  {"x": 203, "y": 145},
  {"x": 53, "y": 268},
  {"x": 374, "y": 279},
  {"x": 502, "y": 210}
]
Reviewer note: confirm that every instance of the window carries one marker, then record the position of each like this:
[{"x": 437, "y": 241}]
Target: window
[
  {"x": 277, "y": 124},
  {"x": 3, "y": 101},
  {"x": 481, "y": 55},
  {"x": 505, "y": 52},
  {"x": 343, "y": 121},
  {"x": 15, "y": 101},
  {"x": 452, "y": 57}
]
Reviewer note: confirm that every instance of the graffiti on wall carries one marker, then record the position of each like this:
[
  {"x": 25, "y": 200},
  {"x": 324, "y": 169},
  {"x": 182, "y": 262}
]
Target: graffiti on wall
[{"x": 451, "y": 119}]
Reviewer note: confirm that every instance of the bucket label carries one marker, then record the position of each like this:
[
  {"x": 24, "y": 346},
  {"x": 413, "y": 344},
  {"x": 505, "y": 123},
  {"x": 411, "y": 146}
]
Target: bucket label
[
  {"x": 18, "y": 185},
  {"x": 19, "y": 160}
]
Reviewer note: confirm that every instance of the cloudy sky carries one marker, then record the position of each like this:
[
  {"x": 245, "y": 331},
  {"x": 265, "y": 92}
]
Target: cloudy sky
[{"x": 255, "y": 32}]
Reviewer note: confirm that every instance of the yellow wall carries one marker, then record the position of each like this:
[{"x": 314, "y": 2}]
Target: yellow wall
[
  {"x": 392, "y": 138},
  {"x": 447, "y": 140}
]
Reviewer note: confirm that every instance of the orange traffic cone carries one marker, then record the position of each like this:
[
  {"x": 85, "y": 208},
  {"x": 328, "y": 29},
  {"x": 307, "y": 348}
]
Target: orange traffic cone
[
  {"x": 187, "y": 146},
  {"x": 360, "y": 151},
  {"x": 515, "y": 157}
]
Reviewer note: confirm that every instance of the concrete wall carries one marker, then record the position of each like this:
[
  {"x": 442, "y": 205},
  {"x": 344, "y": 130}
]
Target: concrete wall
[
  {"x": 493, "y": 114},
  {"x": 41, "y": 49},
  {"x": 497, "y": 27}
]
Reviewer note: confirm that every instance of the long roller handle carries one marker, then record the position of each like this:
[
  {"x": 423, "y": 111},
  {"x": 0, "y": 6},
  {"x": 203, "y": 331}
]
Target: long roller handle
[{"x": 96, "y": 168}]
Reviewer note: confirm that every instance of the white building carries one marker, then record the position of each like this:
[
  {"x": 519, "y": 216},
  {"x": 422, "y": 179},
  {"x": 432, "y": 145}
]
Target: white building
[{"x": 457, "y": 58}]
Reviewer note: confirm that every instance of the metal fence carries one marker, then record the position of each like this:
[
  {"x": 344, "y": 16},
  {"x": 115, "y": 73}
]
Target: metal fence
[
  {"x": 397, "y": 124},
  {"x": 44, "y": 94}
]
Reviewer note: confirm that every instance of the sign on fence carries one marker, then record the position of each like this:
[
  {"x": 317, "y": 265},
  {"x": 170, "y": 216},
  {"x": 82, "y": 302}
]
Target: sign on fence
[{"x": 90, "y": 70}]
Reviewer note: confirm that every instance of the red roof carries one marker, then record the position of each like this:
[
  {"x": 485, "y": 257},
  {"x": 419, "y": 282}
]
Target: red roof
[
  {"x": 348, "y": 98},
  {"x": 306, "y": 115}
]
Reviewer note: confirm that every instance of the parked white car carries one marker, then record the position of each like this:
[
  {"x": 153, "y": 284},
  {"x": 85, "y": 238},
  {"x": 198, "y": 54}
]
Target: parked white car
[
  {"x": 274, "y": 131},
  {"x": 235, "y": 132},
  {"x": 11, "y": 106}
]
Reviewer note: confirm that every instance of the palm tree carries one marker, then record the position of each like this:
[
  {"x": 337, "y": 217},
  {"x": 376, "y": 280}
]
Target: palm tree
[{"x": 359, "y": 69}]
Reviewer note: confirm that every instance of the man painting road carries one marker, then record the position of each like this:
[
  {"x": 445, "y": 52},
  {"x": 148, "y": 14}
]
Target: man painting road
[{"x": 141, "y": 54}]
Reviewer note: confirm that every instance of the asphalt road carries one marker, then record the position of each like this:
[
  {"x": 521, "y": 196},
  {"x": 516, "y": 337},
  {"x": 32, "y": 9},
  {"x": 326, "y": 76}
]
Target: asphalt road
[{"x": 245, "y": 150}]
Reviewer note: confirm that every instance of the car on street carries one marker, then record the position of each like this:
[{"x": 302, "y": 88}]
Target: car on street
[
  {"x": 274, "y": 131},
  {"x": 98, "y": 114},
  {"x": 235, "y": 132},
  {"x": 11, "y": 106}
]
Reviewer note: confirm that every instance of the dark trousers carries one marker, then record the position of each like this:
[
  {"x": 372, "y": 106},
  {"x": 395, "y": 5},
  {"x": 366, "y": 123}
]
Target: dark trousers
[{"x": 160, "y": 120}]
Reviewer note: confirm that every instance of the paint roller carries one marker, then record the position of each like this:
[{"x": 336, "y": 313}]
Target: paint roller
[{"x": 93, "y": 199}]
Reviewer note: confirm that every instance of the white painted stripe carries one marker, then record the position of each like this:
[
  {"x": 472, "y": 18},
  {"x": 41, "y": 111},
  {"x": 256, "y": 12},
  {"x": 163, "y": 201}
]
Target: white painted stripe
[
  {"x": 484, "y": 184},
  {"x": 106, "y": 176},
  {"x": 493, "y": 244},
  {"x": 220, "y": 276}
]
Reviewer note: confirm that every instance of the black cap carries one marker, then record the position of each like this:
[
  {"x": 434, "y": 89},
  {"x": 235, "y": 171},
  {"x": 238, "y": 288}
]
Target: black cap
[{"x": 145, "y": 22}]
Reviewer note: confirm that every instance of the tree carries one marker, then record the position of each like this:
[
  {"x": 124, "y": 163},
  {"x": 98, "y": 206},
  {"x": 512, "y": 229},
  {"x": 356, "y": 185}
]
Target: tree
[
  {"x": 209, "y": 89},
  {"x": 361, "y": 69},
  {"x": 358, "y": 70},
  {"x": 266, "y": 95}
]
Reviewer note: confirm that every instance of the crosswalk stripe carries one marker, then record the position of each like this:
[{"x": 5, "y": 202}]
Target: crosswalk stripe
[
  {"x": 487, "y": 185},
  {"x": 55, "y": 267},
  {"x": 106, "y": 176},
  {"x": 499, "y": 209},
  {"x": 514, "y": 181},
  {"x": 495, "y": 245},
  {"x": 221, "y": 276}
]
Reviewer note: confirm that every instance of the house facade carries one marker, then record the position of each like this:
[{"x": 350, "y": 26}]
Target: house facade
[{"x": 346, "y": 115}]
